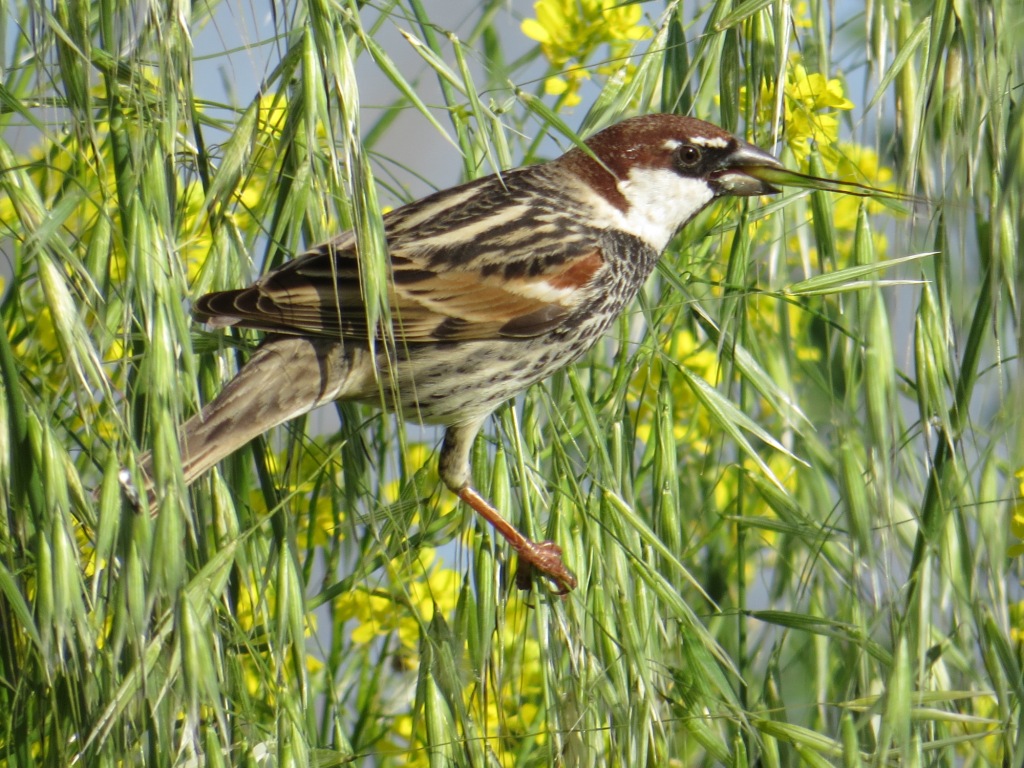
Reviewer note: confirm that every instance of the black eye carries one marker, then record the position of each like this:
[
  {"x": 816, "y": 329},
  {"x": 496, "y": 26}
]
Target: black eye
[{"x": 687, "y": 156}]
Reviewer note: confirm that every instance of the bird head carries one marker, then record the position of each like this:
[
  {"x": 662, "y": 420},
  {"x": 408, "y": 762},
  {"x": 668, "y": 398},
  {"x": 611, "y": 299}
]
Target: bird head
[{"x": 650, "y": 175}]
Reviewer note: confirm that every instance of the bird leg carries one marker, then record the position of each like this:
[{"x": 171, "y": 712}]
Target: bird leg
[{"x": 543, "y": 556}]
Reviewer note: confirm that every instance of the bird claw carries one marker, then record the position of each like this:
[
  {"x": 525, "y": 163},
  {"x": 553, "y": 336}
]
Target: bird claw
[{"x": 545, "y": 557}]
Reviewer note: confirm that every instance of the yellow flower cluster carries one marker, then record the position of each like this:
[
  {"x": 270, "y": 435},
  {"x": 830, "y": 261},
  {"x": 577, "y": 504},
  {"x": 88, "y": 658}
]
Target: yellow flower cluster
[
  {"x": 320, "y": 524},
  {"x": 859, "y": 164},
  {"x": 419, "y": 586},
  {"x": 571, "y": 31},
  {"x": 507, "y": 703},
  {"x": 515, "y": 712},
  {"x": 93, "y": 213},
  {"x": 979, "y": 734},
  {"x": 419, "y": 462},
  {"x": 692, "y": 423},
  {"x": 810, "y": 106},
  {"x": 195, "y": 239},
  {"x": 1017, "y": 523},
  {"x": 1016, "y": 550},
  {"x": 51, "y": 169}
]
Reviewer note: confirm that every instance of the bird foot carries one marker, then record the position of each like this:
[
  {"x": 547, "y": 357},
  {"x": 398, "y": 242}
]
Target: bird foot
[
  {"x": 546, "y": 558},
  {"x": 543, "y": 556}
]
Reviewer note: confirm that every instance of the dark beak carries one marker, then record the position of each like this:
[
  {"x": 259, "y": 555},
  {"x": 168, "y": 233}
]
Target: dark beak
[{"x": 737, "y": 174}]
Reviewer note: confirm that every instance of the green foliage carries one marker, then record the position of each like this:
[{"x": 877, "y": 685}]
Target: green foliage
[{"x": 790, "y": 481}]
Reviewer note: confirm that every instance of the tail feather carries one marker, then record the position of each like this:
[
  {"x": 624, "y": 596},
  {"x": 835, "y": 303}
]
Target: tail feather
[{"x": 286, "y": 377}]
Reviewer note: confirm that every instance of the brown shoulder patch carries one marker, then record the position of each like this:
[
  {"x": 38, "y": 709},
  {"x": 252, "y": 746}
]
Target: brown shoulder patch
[{"x": 579, "y": 272}]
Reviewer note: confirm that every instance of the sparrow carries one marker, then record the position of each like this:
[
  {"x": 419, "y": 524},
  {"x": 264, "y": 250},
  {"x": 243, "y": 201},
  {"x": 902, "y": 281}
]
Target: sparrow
[{"x": 494, "y": 285}]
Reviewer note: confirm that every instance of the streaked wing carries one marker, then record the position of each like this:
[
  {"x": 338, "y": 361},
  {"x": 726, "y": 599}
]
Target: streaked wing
[{"x": 481, "y": 261}]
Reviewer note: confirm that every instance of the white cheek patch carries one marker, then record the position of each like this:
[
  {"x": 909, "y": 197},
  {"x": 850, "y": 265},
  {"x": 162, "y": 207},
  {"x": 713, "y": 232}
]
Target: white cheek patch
[{"x": 660, "y": 202}]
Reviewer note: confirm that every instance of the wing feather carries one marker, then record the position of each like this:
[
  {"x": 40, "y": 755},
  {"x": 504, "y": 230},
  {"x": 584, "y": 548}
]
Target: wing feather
[{"x": 453, "y": 275}]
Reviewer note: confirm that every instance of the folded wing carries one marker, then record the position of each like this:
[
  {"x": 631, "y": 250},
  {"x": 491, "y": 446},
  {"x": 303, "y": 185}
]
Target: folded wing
[{"x": 468, "y": 281}]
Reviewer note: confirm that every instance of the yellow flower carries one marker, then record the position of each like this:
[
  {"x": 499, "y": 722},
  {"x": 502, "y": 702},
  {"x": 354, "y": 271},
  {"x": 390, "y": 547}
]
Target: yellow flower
[
  {"x": 570, "y": 31},
  {"x": 811, "y": 102},
  {"x": 727, "y": 490},
  {"x": 802, "y": 15},
  {"x": 195, "y": 248},
  {"x": 810, "y": 105},
  {"x": 418, "y": 589},
  {"x": 506, "y": 701},
  {"x": 857, "y": 163},
  {"x": 700, "y": 358},
  {"x": 813, "y": 91},
  {"x": 1017, "y": 529},
  {"x": 373, "y": 613},
  {"x": 567, "y": 29},
  {"x": 1017, "y": 622},
  {"x": 568, "y": 86},
  {"x": 417, "y": 457},
  {"x": 981, "y": 738}
]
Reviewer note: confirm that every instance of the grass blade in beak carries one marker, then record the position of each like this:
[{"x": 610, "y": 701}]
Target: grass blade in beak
[{"x": 784, "y": 177}]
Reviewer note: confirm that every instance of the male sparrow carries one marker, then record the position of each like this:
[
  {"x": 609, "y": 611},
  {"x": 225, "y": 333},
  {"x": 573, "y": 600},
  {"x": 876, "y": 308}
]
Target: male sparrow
[{"x": 495, "y": 284}]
